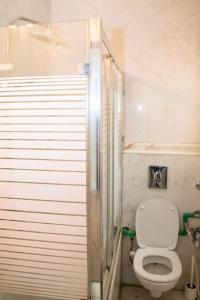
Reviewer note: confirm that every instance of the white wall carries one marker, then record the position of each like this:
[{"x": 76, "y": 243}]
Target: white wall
[
  {"x": 158, "y": 45},
  {"x": 37, "y": 9}
]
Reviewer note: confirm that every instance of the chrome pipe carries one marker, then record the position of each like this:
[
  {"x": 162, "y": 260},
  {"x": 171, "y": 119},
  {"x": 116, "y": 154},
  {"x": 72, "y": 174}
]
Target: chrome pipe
[{"x": 28, "y": 20}]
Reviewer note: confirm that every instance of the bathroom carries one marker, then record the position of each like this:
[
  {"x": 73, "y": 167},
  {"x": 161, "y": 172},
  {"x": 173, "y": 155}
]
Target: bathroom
[{"x": 156, "y": 45}]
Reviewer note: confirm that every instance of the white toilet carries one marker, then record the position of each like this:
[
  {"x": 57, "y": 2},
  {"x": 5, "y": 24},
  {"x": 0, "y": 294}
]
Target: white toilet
[{"x": 156, "y": 265}]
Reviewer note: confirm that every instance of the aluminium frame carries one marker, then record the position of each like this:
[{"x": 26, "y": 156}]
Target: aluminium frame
[{"x": 97, "y": 40}]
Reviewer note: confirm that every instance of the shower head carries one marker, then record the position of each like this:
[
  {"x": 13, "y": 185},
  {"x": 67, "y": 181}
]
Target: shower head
[
  {"x": 47, "y": 35},
  {"x": 43, "y": 37},
  {"x": 13, "y": 21}
]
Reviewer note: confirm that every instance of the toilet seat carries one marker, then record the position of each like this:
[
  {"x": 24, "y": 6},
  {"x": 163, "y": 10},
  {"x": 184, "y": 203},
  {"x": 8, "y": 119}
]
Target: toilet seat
[{"x": 141, "y": 254}]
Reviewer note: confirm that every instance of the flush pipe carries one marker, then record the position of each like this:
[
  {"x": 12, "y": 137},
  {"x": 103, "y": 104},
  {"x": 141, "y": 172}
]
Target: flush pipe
[{"x": 186, "y": 216}]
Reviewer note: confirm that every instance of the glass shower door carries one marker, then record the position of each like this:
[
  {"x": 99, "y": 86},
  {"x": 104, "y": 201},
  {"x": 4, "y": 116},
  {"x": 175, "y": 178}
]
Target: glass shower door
[{"x": 112, "y": 135}]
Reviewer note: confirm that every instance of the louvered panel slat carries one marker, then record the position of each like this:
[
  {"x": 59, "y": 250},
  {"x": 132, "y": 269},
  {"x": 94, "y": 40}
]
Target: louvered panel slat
[
  {"x": 44, "y": 237},
  {"x": 43, "y": 136},
  {"x": 76, "y": 166},
  {"x": 44, "y": 98},
  {"x": 70, "y": 178},
  {"x": 40, "y": 282},
  {"x": 81, "y": 277},
  {"x": 40, "y": 92},
  {"x": 12, "y": 290},
  {"x": 42, "y": 244},
  {"x": 43, "y": 217},
  {"x": 42, "y": 82},
  {"x": 44, "y": 89},
  {"x": 43, "y": 78},
  {"x": 41, "y": 251},
  {"x": 45, "y": 259},
  {"x": 8, "y": 289},
  {"x": 42, "y": 192},
  {"x": 57, "y": 261},
  {"x": 43, "y": 112},
  {"x": 41, "y": 285},
  {"x": 44, "y": 154},
  {"x": 66, "y": 145},
  {"x": 43, "y": 127},
  {"x": 37, "y": 264},
  {"x": 47, "y": 289},
  {"x": 23, "y": 105},
  {"x": 42, "y": 289},
  {"x": 70, "y": 208},
  {"x": 45, "y": 228},
  {"x": 43, "y": 120},
  {"x": 47, "y": 278}
]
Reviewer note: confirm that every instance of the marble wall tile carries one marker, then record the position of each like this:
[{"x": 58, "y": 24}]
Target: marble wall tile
[{"x": 158, "y": 45}]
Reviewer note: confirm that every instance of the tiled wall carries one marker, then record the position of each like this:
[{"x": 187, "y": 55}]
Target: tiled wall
[{"x": 158, "y": 46}]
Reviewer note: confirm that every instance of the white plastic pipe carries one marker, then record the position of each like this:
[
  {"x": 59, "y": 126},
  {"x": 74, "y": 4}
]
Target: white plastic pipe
[{"x": 192, "y": 273}]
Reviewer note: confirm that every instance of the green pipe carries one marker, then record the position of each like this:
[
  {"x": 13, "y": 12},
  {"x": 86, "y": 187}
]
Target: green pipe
[
  {"x": 129, "y": 233},
  {"x": 183, "y": 232},
  {"x": 186, "y": 216}
]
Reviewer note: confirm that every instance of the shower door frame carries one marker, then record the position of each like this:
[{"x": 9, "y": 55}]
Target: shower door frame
[{"x": 96, "y": 265}]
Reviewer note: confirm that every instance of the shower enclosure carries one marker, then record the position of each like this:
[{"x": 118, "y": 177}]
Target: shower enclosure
[{"x": 61, "y": 141}]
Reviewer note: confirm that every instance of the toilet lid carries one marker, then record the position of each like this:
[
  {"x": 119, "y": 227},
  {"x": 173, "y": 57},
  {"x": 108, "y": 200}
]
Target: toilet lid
[{"x": 157, "y": 224}]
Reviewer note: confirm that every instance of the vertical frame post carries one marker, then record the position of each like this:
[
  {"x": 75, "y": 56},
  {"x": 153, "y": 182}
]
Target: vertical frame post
[{"x": 93, "y": 161}]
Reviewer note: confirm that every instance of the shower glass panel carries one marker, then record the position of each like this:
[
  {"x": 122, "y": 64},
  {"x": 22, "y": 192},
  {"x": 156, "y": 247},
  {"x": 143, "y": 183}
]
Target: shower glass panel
[
  {"x": 60, "y": 161},
  {"x": 111, "y": 152},
  {"x": 33, "y": 52}
]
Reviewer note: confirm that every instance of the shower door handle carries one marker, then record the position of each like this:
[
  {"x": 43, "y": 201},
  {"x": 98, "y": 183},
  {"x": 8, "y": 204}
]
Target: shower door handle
[{"x": 95, "y": 155}]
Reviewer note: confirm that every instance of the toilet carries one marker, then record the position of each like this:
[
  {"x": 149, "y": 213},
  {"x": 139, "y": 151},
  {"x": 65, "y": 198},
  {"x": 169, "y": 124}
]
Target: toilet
[{"x": 156, "y": 264}]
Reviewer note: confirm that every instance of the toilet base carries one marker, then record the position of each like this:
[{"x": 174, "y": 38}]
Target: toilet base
[{"x": 156, "y": 294}]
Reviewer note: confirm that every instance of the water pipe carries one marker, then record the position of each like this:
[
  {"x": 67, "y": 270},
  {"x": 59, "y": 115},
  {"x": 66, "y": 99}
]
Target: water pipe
[
  {"x": 128, "y": 232},
  {"x": 186, "y": 216}
]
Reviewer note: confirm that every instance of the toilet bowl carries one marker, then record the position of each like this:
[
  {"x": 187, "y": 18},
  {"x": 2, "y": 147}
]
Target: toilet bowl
[{"x": 157, "y": 267}]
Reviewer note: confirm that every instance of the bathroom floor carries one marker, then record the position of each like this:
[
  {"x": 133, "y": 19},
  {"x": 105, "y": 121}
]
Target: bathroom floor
[{"x": 138, "y": 293}]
